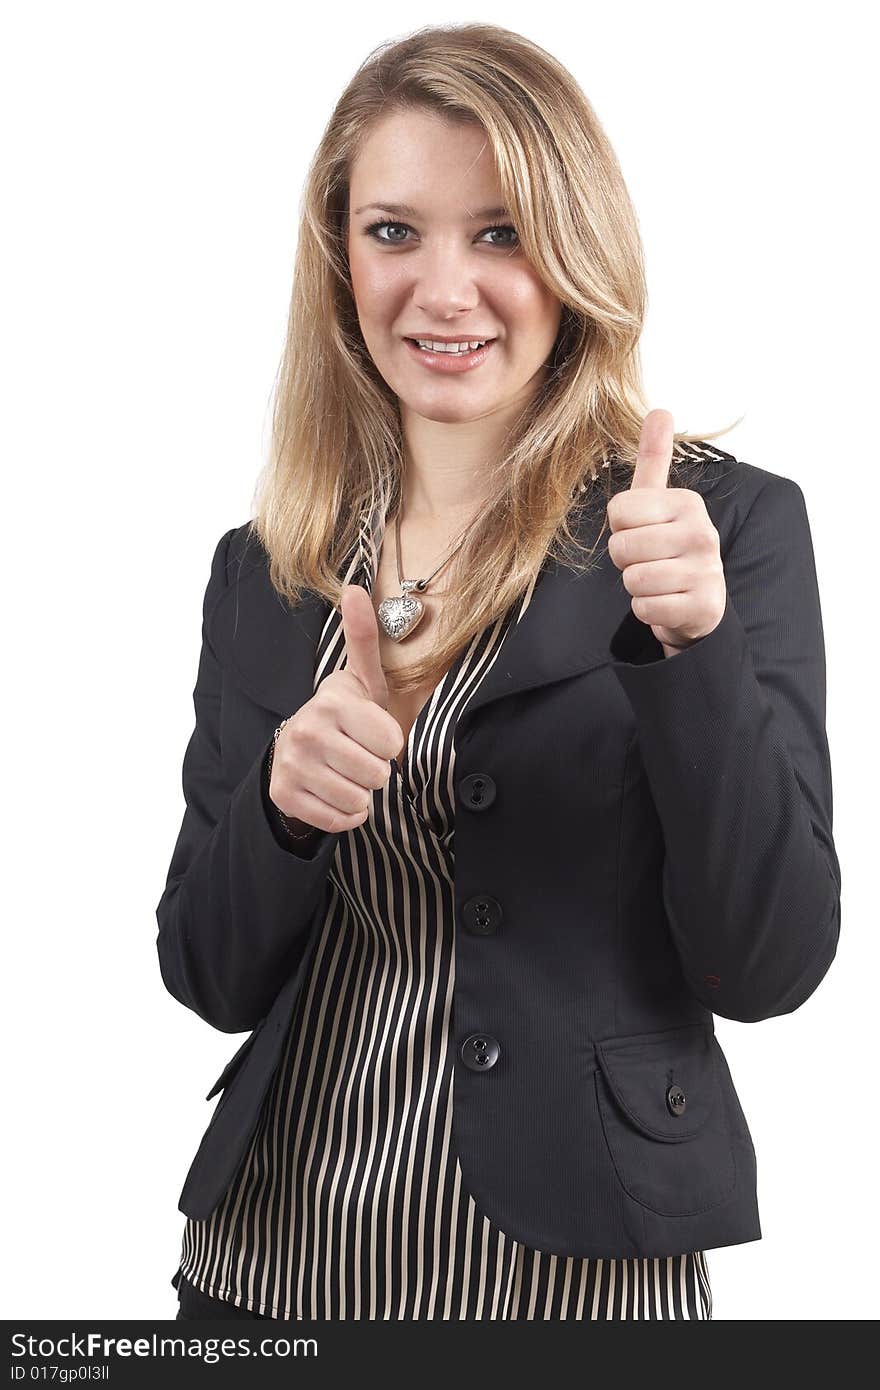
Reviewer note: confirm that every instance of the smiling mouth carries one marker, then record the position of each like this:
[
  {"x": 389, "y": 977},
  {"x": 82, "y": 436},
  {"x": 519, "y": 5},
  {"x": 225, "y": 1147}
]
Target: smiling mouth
[
  {"x": 459, "y": 349},
  {"x": 450, "y": 361}
]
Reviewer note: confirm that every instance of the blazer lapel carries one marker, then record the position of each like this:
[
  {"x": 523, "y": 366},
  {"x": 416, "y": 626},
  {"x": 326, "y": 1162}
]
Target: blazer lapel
[
  {"x": 564, "y": 631},
  {"x": 267, "y": 646},
  {"x": 270, "y": 648}
]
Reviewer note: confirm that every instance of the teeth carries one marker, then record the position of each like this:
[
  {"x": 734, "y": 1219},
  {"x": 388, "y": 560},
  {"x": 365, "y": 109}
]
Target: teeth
[{"x": 449, "y": 347}]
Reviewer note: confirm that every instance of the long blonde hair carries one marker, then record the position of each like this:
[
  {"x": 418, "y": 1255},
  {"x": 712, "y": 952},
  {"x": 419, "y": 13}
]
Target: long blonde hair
[{"x": 336, "y": 439}]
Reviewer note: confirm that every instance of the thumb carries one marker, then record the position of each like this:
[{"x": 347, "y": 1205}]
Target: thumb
[
  {"x": 656, "y": 444},
  {"x": 360, "y": 628}
]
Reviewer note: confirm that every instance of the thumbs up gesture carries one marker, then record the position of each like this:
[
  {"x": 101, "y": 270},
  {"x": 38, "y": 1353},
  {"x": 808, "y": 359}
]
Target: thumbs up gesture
[
  {"x": 335, "y": 751},
  {"x": 666, "y": 546}
]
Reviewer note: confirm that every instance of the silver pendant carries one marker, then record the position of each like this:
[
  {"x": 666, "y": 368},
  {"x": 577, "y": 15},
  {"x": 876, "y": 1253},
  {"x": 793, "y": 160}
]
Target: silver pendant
[{"x": 400, "y": 616}]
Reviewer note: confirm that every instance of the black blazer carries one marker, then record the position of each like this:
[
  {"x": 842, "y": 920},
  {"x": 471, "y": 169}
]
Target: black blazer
[{"x": 641, "y": 843}]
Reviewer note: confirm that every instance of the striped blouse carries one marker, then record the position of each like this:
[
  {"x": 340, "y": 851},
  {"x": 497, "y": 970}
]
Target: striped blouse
[{"x": 349, "y": 1202}]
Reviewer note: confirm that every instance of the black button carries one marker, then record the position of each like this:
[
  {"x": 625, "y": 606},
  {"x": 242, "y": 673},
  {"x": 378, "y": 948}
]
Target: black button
[
  {"x": 480, "y": 1051},
  {"x": 675, "y": 1100},
  {"x": 481, "y": 914},
  {"x": 476, "y": 792}
]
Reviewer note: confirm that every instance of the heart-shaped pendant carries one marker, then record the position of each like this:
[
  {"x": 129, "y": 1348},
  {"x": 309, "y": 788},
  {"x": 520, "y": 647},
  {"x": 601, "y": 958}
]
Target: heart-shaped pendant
[{"x": 399, "y": 616}]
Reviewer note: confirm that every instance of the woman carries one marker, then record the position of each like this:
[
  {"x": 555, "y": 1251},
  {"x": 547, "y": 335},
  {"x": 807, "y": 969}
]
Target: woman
[{"x": 458, "y": 1101}]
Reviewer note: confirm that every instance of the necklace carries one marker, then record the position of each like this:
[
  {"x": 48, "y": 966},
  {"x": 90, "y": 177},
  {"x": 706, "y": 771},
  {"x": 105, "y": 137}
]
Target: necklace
[{"x": 401, "y": 615}]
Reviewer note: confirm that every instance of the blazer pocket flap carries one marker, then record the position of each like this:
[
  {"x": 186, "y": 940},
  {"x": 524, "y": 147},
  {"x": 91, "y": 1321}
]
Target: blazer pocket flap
[
  {"x": 664, "y": 1082},
  {"x": 234, "y": 1063}
]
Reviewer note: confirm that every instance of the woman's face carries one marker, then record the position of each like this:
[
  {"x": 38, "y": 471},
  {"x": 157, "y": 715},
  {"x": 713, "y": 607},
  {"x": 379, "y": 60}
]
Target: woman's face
[{"x": 436, "y": 272}]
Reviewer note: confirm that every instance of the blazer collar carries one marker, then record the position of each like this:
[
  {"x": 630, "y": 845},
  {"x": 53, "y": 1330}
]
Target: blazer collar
[{"x": 270, "y": 648}]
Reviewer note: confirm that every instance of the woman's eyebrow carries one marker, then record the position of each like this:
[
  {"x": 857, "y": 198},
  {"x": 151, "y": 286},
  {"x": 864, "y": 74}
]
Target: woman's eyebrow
[{"x": 404, "y": 210}]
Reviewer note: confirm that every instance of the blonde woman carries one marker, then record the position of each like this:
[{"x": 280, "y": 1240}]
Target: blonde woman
[{"x": 509, "y": 769}]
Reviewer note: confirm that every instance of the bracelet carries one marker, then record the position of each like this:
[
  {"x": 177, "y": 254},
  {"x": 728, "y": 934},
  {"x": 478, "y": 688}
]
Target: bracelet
[{"x": 304, "y": 835}]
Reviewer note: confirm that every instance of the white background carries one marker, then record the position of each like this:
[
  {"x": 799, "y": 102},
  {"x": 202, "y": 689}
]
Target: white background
[{"x": 154, "y": 156}]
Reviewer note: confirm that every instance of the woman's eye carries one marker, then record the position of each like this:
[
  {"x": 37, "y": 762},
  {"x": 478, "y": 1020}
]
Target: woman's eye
[
  {"x": 374, "y": 229},
  {"x": 501, "y": 228}
]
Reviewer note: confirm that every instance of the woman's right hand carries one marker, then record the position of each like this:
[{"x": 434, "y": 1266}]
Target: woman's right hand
[{"x": 336, "y": 750}]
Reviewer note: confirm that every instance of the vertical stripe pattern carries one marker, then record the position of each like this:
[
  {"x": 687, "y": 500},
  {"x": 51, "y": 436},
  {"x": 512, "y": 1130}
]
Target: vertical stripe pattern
[{"x": 349, "y": 1202}]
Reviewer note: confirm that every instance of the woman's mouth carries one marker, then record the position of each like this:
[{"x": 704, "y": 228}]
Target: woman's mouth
[{"x": 445, "y": 361}]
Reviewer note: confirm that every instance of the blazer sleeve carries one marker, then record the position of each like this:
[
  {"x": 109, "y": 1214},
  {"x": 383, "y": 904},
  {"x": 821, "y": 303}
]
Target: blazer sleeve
[
  {"x": 732, "y": 737},
  {"x": 237, "y": 902}
]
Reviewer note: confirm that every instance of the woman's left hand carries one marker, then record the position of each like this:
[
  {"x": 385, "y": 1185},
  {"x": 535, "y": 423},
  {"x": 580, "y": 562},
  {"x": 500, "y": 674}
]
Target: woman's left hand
[{"x": 666, "y": 546}]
